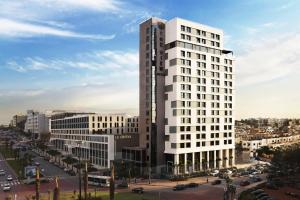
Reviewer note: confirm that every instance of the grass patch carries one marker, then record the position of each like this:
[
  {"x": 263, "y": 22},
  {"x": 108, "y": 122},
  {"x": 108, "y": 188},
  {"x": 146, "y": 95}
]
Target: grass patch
[
  {"x": 17, "y": 166},
  {"x": 7, "y": 152}
]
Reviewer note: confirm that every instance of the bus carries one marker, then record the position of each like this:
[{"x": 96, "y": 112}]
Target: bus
[{"x": 97, "y": 180}]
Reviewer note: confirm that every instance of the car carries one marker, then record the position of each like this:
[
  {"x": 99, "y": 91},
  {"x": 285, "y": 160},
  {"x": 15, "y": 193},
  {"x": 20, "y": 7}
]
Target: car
[
  {"x": 229, "y": 172},
  {"x": 139, "y": 190},
  {"x": 261, "y": 195},
  {"x": 192, "y": 185},
  {"x": 179, "y": 187},
  {"x": 2, "y": 172},
  {"x": 291, "y": 194},
  {"x": 215, "y": 173},
  {"x": 6, "y": 187},
  {"x": 244, "y": 183},
  {"x": 9, "y": 178},
  {"x": 36, "y": 163},
  {"x": 256, "y": 179},
  {"x": 258, "y": 191},
  {"x": 216, "y": 182}
]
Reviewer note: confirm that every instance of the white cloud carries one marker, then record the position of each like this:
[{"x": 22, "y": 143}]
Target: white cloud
[
  {"x": 15, "y": 29},
  {"x": 45, "y": 9},
  {"x": 269, "y": 60},
  {"x": 139, "y": 17},
  {"x": 109, "y": 63}
]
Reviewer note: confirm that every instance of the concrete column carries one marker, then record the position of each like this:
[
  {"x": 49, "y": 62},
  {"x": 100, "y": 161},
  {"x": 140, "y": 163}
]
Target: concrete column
[
  {"x": 207, "y": 158},
  {"x": 227, "y": 156},
  {"x": 176, "y": 162},
  {"x": 200, "y": 160},
  {"x": 221, "y": 157},
  {"x": 185, "y": 163},
  {"x": 193, "y": 162},
  {"x": 233, "y": 157},
  {"x": 215, "y": 159}
]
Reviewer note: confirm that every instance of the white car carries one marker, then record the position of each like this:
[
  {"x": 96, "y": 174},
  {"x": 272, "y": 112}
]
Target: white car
[
  {"x": 229, "y": 172},
  {"x": 215, "y": 173},
  {"x": 6, "y": 187},
  {"x": 9, "y": 178},
  {"x": 2, "y": 172}
]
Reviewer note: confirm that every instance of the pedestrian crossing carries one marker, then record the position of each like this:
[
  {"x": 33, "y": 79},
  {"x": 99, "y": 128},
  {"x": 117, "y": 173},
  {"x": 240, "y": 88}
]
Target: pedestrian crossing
[{"x": 11, "y": 183}]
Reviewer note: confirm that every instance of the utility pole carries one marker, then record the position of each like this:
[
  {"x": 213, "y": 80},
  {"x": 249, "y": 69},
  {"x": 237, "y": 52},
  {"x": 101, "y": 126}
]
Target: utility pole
[
  {"x": 56, "y": 190},
  {"x": 37, "y": 184},
  {"x": 112, "y": 183},
  {"x": 85, "y": 181},
  {"x": 79, "y": 173}
]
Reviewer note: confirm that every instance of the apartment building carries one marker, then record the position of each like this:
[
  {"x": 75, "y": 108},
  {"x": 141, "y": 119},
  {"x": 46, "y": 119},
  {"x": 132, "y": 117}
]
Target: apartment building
[
  {"x": 37, "y": 124},
  {"x": 186, "y": 96},
  {"x": 95, "y": 137}
]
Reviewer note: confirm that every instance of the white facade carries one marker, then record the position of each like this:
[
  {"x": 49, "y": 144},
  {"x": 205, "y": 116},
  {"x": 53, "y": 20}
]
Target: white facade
[
  {"x": 253, "y": 145},
  {"x": 199, "y": 102},
  {"x": 36, "y": 123},
  {"x": 91, "y": 136}
]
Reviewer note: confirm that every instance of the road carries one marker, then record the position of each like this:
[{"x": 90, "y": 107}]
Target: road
[
  {"x": 8, "y": 171},
  {"x": 50, "y": 170},
  {"x": 66, "y": 182}
]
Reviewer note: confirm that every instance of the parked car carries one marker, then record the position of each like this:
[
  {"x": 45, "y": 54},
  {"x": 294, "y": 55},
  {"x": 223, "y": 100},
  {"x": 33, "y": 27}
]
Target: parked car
[
  {"x": 261, "y": 195},
  {"x": 192, "y": 185},
  {"x": 9, "y": 178},
  {"x": 256, "y": 179},
  {"x": 179, "y": 187},
  {"x": 291, "y": 194},
  {"x": 258, "y": 191},
  {"x": 229, "y": 172},
  {"x": 215, "y": 173},
  {"x": 2, "y": 172},
  {"x": 6, "y": 187},
  {"x": 244, "y": 183},
  {"x": 216, "y": 182},
  {"x": 139, "y": 190}
]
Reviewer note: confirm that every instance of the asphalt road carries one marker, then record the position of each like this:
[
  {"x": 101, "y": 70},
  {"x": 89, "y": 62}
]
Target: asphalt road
[{"x": 8, "y": 171}]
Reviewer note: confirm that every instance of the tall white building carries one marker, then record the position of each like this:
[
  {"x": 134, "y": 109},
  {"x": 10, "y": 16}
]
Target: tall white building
[{"x": 186, "y": 96}]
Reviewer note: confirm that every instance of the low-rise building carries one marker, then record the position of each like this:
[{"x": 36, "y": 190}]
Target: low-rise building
[
  {"x": 18, "y": 121},
  {"x": 95, "y": 137},
  {"x": 253, "y": 145}
]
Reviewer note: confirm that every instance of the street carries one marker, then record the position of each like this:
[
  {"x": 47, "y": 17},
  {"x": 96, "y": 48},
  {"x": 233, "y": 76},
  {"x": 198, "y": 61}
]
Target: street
[
  {"x": 49, "y": 169},
  {"x": 8, "y": 171}
]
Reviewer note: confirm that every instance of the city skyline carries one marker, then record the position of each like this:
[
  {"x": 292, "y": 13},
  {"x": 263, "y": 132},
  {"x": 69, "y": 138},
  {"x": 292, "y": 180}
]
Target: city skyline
[{"x": 88, "y": 73}]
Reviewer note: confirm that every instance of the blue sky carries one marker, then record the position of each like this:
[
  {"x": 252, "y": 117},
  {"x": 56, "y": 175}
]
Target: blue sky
[{"x": 83, "y": 54}]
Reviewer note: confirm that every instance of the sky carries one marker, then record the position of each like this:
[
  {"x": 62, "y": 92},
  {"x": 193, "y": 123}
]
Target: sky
[{"x": 83, "y": 54}]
